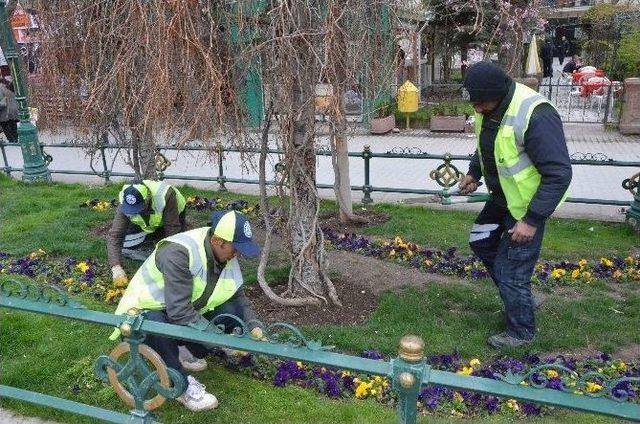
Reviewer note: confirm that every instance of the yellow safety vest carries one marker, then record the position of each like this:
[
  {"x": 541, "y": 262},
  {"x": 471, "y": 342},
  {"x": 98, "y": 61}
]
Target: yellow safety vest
[
  {"x": 146, "y": 289},
  {"x": 519, "y": 178},
  {"x": 158, "y": 191}
]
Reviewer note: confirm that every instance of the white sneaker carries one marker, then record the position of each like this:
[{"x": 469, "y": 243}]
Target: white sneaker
[
  {"x": 195, "y": 398},
  {"x": 190, "y": 362}
]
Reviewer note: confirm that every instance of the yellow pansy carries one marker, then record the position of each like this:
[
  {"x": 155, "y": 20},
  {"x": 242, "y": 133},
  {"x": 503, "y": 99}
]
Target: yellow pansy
[
  {"x": 393, "y": 252},
  {"x": 582, "y": 263},
  {"x": 457, "y": 397},
  {"x": 575, "y": 274},
  {"x": 82, "y": 266},
  {"x": 558, "y": 273},
  {"x": 593, "y": 387},
  {"x": 465, "y": 371},
  {"x": 551, "y": 373},
  {"x": 362, "y": 391},
  {"x": 474, "y": 362},
  {"x": 512, "y": 404},
  {"x": 300, "y": 365},
  {"x": 606, "y": 262},
  {"x": 617, "y": 274}
]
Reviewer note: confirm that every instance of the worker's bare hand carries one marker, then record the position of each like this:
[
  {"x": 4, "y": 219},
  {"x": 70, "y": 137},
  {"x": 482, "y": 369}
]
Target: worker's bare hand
[
  {"x": 468, "y": 185},
  {"x": 522, "y": 232}
]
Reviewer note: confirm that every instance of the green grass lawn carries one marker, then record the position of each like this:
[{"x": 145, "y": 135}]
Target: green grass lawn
[{"x": 51, "y": 355}]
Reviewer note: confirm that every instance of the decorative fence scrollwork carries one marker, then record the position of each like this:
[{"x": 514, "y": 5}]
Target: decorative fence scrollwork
[{"x": 446, "y": 174}]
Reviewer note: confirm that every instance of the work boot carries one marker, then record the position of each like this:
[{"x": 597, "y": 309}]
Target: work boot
[
  {"x": 195, "y": 398},
  {"x": 503, "y": 340},
  {"x": 190, "y": 362}
]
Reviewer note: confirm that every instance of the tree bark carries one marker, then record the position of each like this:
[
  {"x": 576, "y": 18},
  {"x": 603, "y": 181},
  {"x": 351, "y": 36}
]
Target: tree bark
[
  {"x": 337, "y": 76},
  {"x": 266, "y": 214},
  {"x": 306, "y": 241}
]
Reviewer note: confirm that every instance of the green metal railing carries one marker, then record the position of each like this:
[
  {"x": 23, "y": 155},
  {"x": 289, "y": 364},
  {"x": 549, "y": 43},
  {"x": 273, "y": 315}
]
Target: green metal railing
[
  {"x": 134, "y": 379},
  {"x": 445, "y": 175}
]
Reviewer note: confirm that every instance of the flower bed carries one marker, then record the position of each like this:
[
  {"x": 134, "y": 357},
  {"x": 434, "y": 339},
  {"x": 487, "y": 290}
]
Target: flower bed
[
  {"x": 595, "y": 372},
  {"x": 73, "y": 275},
  {"x": 450, "y": 262},
  {"x": 192, "y": 202},
  {"x": 202, "y": 203}
]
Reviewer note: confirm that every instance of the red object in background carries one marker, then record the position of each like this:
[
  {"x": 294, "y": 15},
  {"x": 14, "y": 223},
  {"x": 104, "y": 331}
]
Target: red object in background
[
  {"x": 594, "y": 86},
  {"x": 577, "y": 76}
]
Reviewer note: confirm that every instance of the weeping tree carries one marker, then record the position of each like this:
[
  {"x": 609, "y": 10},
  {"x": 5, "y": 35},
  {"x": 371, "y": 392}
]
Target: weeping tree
[
  {"x": 179, "y": 71},
  {"x": 503, "y": 27}
]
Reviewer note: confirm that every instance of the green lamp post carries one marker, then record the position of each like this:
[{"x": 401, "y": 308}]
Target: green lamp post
[{"x": 35, "y": 168}]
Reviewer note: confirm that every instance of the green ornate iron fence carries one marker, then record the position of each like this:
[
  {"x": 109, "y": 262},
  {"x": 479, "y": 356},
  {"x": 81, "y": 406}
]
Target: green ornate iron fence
[
  {"x": 144, "y": 382},
  {"x": 446, "y": 174}
]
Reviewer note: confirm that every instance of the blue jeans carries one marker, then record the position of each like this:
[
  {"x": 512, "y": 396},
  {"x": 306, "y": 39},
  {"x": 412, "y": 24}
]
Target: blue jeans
[
  {"x": 167, "y": 347},
  {"x": 509, "y": 264}
]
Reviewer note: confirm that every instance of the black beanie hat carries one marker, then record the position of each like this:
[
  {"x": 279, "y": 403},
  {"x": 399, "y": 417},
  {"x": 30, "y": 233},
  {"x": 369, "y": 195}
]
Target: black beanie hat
[{"x": 486, "y": 82}]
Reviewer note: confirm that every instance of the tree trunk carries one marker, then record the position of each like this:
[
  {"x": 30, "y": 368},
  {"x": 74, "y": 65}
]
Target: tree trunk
[
  {"x": 337, "y": 76},
  {"x": 306, "y": 242}
]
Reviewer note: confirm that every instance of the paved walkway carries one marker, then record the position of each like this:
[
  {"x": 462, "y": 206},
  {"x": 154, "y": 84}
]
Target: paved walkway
[
  {"x": 588, "y": 181},
  {"x": 9, "y": 417}
]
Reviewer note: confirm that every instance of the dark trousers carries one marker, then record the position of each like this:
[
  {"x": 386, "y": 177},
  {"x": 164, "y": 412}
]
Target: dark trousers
[
  {"x": 10, "y": 130},
  {"x": 510, "y": 265},
  {"x": 167, "y": 348},
  {"x": 547, "y": 69}
]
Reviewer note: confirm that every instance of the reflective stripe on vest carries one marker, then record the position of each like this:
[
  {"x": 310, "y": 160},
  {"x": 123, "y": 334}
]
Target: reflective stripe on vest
[
  {"x": 158, "y": 192},
  {"x": 146, "y": 289},
  {"x": 518, "y": 177}
]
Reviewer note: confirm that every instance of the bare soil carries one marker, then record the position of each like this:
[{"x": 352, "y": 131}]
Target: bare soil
[{"x": 358, "y": 303}]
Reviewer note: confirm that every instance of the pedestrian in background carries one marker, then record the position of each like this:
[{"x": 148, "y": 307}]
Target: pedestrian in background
[{"x": 8, "y": 111}]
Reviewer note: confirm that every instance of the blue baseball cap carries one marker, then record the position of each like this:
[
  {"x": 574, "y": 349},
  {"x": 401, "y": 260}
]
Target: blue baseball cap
[
  {"x": 235, "y": 227},
  {"x": 132, "y": 198}
]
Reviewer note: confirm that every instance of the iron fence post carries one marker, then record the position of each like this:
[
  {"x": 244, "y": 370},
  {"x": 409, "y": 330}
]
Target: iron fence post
[
  {"x": 408, "y": 371},
  {"x": 633, "y": 214},
  {"x": 366, "y": 188},
  {"x": 607, "y": 104},
  {"x": 7, "y": 168},
  {"x": 221, "y": 177},
  {"x": 35, "y": 167}
]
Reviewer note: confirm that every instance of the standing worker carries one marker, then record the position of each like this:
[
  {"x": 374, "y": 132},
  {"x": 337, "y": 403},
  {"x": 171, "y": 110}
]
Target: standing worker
[
  {"x": 547, "y": 59},
  {"x": 523, "y": 157},
  {"x": 190, "y": 279},
  {"x": 563, "y": 49},
  {"x": 146, "y": 207}
]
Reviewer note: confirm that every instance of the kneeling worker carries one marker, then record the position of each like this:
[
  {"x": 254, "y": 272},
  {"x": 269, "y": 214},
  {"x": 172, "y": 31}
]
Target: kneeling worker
[
  {"x": 146, "y": 207},
  {"x": 190, "y": 279}
]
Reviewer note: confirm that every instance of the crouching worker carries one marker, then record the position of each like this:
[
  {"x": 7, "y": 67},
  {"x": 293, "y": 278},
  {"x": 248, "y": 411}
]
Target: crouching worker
[
  {"x": 148, "y": 211},
  {"x": 190, "y": 279}
]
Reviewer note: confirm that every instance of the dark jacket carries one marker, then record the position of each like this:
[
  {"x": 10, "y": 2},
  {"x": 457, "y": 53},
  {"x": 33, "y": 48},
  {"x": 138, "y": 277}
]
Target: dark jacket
[
  {"x": 570, "y": 67},
  {"x": 8, "y": 105},
  {"x": 172, "y": 260},
  {"x": 547, "y": 51},
  {"x": 171, "y": 224},
  {"x": 545, "y": 144}
]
